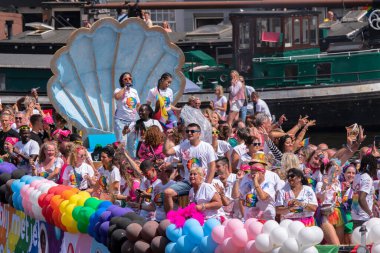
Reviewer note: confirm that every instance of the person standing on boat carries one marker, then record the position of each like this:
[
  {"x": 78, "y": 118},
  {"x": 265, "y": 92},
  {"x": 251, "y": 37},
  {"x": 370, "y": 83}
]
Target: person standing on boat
[
  {"x": 219, "y": 103},
  {"x": 259, "y": 105},
  {"x": 236, "y": 98},
  {"x": 127, "y": 105},
  {"x": 247, "y": 102}
]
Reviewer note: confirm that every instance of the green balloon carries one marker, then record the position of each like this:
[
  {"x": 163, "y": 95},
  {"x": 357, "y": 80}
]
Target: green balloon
[
  {"x": 93, "y": 203},
  {"x": 82, "y": 227},
  {"x": 75, "y": 213},
  {"x": 85, "y": 214}
]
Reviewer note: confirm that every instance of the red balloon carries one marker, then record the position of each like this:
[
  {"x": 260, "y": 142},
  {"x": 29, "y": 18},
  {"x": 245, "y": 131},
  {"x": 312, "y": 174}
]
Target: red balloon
[
  {"x": 46, "y": 200},
  {"x": 41, "y": 199}
]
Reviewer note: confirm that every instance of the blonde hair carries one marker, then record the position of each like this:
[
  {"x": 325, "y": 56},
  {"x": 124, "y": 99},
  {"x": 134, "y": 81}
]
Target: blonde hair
[
  {"x": 220, "y": 87},
  {"x": 288, "y": 161},
  {"x": 73, "y": 155},
  {"x": 44, "y": 147},
  {"x": 199, "y": 170}
]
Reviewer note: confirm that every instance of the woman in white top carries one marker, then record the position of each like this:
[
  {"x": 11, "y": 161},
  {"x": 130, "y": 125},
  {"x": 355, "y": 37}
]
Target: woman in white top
[
  {"x": 164, "y": 91},
  {"x": 204, "y": 195},
  {"x": 219, "y": 103},
  {"x": 79, "y": 174},
  {"x": 297, "y": 200},
  {"x": 253, "y": 145},
  {"x": 127, "y": 105},
  {"x": 49, "y": 164},
  {"x": 237, "y": 97}
]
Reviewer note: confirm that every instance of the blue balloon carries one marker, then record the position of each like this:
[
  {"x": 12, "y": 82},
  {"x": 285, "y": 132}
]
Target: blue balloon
[
  {"x": 196, "y": 233},
  {"x": 207, "y": 245},
  {"x": 196, "y": 250},
  {"x": 105, "y": 204},
  {"x": 170, "y": 248},
  {"x": 173, "y": 233},
  {"x": 190, "y": 223},
  {"x": 209, "y": 225},
  {"x": 25, "y": 178},
  {"x": 184, "y": 244}
]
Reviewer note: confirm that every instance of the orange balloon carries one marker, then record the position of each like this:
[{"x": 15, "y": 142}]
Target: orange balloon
[
  {"x": 67, "y": 194},
  {"x": 56, "y": 201}
]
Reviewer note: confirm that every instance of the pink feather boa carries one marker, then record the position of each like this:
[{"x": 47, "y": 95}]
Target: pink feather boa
[{"x": 180, "y": 216}]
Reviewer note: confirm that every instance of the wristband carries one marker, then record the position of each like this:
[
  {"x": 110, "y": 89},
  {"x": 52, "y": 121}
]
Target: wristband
[{"x": 203, "y": 207}]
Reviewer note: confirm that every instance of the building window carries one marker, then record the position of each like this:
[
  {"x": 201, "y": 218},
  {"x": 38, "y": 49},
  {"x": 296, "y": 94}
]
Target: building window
[
  {"x": 268, "y": 32},
  {"x": 305, "y": 31},
  {"x": 314, "y": 31},
  {"x": 288, "y": 32},
  {"x": 243, "y": 35},
  {"x": 291, "y": 72},
  {"x": 202, "y": 21},
  {"x": 159, "y": 16},
  {"x": 2, "y": 81},
  {"x": 323, "y": 70},
  {"x": 297, "y": 31}
]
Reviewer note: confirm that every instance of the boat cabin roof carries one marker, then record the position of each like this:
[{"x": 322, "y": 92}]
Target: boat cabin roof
[{"x": 285, "y": 13}]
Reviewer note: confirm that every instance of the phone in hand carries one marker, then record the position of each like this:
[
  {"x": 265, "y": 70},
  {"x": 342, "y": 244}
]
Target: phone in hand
[{"x": 377, "y": 141}]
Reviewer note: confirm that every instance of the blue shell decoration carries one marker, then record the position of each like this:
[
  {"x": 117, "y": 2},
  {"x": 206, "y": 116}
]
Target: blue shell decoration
[{"x": 86, "y": 71}]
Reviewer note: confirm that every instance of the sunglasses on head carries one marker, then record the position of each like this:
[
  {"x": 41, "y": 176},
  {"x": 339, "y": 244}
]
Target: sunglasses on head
[
  {"x": 192, "y": 131},
  {"x": 256, "y": 144},
  {"x": 291, "y": 176}
]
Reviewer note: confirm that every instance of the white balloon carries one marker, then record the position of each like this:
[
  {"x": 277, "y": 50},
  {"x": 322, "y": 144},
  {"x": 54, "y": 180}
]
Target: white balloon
[
  {"x": 375, "y": 248},
  {"x": 276, "y": 250},
  {"x": 306, "y": 237},
  {"x": 356, "y": 236},
  {"x": 290, "y": 246},
  {"x": 318, "y": 234},
  {"x": 375, "y": 233},
  {"x": 263, "y": 243},
  {"x": 285, "y": 223},
  {"x": 372, "y": 222},
  {"x": 269, "y": 226},
  {"x": 311, "y": 249},
  {"x": 278, "y": 236},
  {"x": 294, "y": 228}
]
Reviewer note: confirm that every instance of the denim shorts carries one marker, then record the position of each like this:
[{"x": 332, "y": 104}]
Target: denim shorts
[{"x": 182, "y": 188}]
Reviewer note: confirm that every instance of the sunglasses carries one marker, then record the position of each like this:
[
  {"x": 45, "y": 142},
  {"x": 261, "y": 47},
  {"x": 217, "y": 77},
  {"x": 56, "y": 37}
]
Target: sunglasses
[
  {"x": 256, "y": 144},
  {"x": 215, "y": 132},
  {"x": 291, "y": 176},
  {"x": 192, "y": 131},
  {"x": 81, "y": 156},
  {"x": 18, "y": 117},
  {"x": 127, "y": 78}
]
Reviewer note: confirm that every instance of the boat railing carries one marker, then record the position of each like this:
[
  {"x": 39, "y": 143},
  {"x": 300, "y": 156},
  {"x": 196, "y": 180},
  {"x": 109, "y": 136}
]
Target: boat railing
[
  {"x": 321, "y": 78},
  {"x": 313, "y": 56}
]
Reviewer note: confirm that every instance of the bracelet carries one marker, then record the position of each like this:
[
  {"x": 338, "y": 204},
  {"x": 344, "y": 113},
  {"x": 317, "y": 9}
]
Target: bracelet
[{"x": 203, "y": 207}]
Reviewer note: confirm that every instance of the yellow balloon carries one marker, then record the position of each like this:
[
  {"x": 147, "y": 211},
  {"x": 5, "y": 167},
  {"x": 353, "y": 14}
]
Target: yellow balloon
[
  {"x": 74, "y": 199},
  {"x": 81, "y": 201},
  {"x": 84, "y": 194},
  {"x": 62, "y": 206},
  {"x": 69, "y": 209}
]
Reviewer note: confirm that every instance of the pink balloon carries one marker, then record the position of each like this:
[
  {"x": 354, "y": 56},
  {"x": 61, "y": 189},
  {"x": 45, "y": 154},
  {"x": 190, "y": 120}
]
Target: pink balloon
[
  {"x": 250, "y": 247},
  {"x": 232, "y": 226},
  {"x": 219, "y": 249},
  {"x": 230, "y": 247},
  {"x": 36, "y": 183},
  {"x": 248, "y": 222},
  {"x": 217, "y": 234},
  {"x": 226, "y": 222},
  {"x": 240, "y": 237},
  {"x": 254, "y": 229}
]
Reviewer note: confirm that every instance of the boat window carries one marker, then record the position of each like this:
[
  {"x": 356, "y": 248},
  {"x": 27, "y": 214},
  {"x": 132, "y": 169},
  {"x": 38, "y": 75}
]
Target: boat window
[
  {"x": 2, "y": 81},
  {"x": 297, "y": 31},
  {"x": 305, "y": 31},
  {"x": 243, "y": 35},
  {"x": 288, "y": 32},
  {"x": 314, "y": 31},
  {"x": 323, "y": 70},
  {"x": 269, "y": 32},
  {"x": 291, "y": 72}
]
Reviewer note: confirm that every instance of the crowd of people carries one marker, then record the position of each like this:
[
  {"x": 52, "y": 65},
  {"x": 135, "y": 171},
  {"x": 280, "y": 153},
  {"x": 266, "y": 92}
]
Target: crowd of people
[{"x": 252, "y": 167}]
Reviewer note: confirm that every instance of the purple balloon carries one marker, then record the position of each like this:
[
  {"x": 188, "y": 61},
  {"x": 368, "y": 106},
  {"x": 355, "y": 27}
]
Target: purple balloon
[
  {"x": 7, "y": 167},
  {"x": 103, "y": 229},
  {"x": 119, "y": 211},
  {"x": 105, "y": 216}
]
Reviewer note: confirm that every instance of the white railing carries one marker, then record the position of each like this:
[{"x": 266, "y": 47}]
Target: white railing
[{"x": 312, "y": 56}]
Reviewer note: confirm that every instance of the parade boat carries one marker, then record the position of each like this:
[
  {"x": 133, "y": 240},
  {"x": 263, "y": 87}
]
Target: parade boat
[{"x": 328, "y": 70}]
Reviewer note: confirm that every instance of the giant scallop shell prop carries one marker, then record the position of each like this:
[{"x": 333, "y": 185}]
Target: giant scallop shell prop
[{"x": 86, "y": 71}]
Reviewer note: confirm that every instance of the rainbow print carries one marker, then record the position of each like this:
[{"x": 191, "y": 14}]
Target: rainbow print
[
  {"x": 159, "y": 199},
  {"x": 103, "y": 182},
  {"x": 312, "y": 182},
  {"x": 250, "y": 200},
  {"x": 43, "y": 174},
  {"x": 131, "y": 103},
  {"x": 161, "y": 115},
  {"x": 194, "y": 162}
]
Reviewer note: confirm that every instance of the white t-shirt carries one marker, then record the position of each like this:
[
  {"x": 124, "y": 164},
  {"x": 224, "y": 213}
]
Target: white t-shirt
[
  {"x": 306, "y": 195},
  {"x": 126, "y": 106},
  {"x": 147, "y": 124},
  {"x": 107, "y": 178},
  {"x": 219, "y": 103},
  {"x": 364, "y": 183},
  {"x": 204, "y": 195},
  {"x": 223, "y": 147},
  {"x": 148, "y": 186},
  {"x": 254, "y": 206},
  {"x": 261, "y": 106},
  {"x": 229, "y": 210},
  {"x": 158, "y": 199},
  {"x": 314, "y": 178},
  {"x": 27, "y": 149},
  {"x": 332, "y": 195},
  {"x": 200, "y": 156},
  {"x": 153, "y": 96},
  {"x": 241, "y": 149},
  {"x": 45, "y": 172},
  {"x": 75, "y": 176}
]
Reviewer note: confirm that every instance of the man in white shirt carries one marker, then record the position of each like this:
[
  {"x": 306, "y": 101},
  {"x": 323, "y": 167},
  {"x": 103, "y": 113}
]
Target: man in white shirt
[
  {"x": 192, "y": 152},
  {"x": 258, "y": 105},
  {"x": 27, "y": 149}
]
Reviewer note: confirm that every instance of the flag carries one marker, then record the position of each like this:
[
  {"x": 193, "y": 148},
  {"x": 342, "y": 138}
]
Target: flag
[
  {"x": 270, "y": 36},
  {"x": 161, "y": 115},
  {"x": 305, "y": 142}
]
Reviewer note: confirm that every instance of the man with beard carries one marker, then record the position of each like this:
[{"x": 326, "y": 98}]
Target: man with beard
[{"x": 27, "y": 149}]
